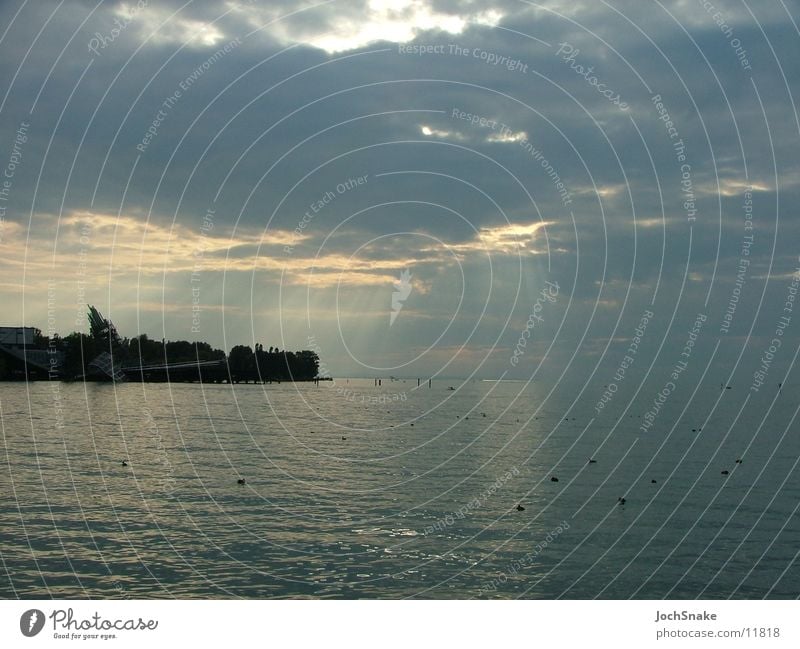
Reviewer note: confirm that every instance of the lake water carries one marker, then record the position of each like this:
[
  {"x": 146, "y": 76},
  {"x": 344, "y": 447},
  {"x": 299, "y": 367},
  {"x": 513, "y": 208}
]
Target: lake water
[{"x": 419, "y": 500}]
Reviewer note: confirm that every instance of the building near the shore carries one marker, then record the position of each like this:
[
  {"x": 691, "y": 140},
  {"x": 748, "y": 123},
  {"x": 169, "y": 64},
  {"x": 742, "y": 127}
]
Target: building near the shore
[
  {"x": 22, "y": 356},
  {"x": 17, "y": 337}
]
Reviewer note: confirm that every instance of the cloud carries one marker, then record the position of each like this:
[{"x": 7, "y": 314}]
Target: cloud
[
  {"x": 341, "y": 27},
  {"x": 732, "y": 187},
  {"x": 507, "y": 137},
  {"x": 164, "y": 27},
  {"x": 503, "y": 239},
  {"x": 318, "y": 93},
  {"x": 442, "y": 134}
]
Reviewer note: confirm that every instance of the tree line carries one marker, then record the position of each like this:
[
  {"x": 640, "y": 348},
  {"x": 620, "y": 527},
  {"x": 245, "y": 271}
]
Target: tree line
[
  {"x": 244, "y": 364},
  {"x": 77, "y": 351}
]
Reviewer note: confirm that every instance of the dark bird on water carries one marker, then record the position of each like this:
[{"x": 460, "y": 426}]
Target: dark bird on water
[
  {"x": 652, "y": 482},
  {"x": 520, "y": 508},
  {"x": 738, "y": 461},
  {"x": 592, "y": 461},
  {"x": 553, "y": 479},
  {"x": 725, "y": 472},
  {"x": 240, "y": 481},
  {"x": 124, "y": 463},
  {"x": 621, "y": 500},
  {"x": 343, "y": 438}
]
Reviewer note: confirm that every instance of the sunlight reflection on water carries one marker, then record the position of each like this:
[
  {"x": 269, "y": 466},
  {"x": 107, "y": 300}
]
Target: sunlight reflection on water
[{"x": 393, "y": 510}]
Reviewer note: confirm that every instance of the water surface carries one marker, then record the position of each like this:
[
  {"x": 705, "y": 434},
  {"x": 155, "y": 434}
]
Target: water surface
[{"x": 357, "y": 491}]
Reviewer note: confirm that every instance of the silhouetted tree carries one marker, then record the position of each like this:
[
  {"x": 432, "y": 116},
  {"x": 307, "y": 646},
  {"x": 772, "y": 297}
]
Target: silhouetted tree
[
  {"x": 242, "y": 364},
  {"x": 80, "y": 349},
  {"x": 103, "y": 331}
]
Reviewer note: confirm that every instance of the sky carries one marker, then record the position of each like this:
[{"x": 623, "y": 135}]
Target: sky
[{"x": 411, "y": 188}]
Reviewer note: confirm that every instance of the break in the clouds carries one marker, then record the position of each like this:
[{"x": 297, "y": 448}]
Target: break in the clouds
[{"x": 277, "y": 167}]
